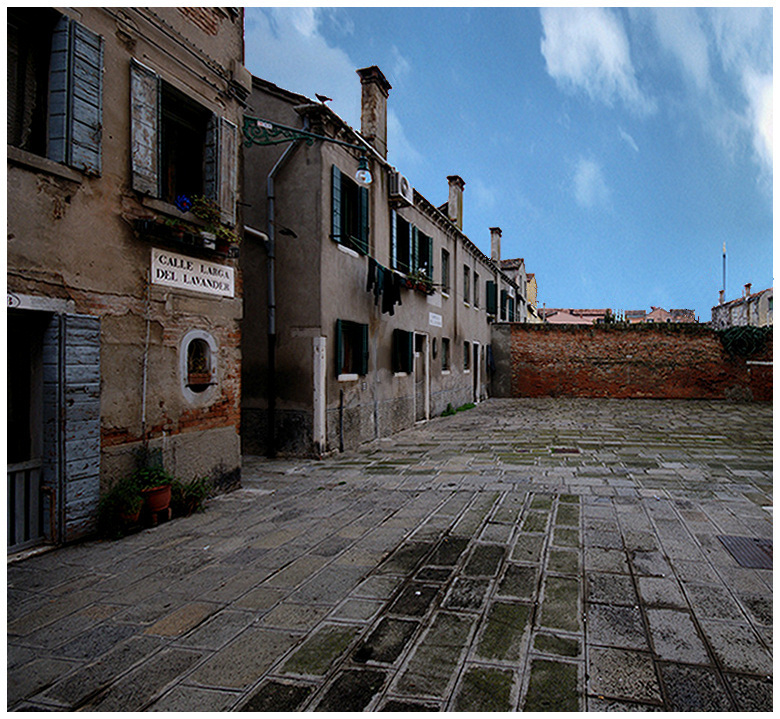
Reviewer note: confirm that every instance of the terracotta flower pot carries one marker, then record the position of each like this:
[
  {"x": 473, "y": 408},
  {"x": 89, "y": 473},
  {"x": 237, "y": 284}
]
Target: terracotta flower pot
[{"x": 158, "y": 499}]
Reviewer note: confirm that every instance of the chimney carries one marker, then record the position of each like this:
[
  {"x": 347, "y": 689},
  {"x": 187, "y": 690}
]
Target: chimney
[
  {"x": 721, "y": 296},
  {"x": 748, "y": 285},
  {"x": 495, "y": 244},
  {"x": 373, "y": 114},
  {"x": 455, "y": 200}
]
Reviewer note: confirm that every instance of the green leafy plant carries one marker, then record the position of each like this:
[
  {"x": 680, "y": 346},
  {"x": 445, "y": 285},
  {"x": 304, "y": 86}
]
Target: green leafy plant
[
  {"x": 119, "y": 507},
  {"x": 207, "y": 210},
  {"x": 449, "y": 411},
  {"x": 744, "y": 341},
  {"x": 188, "y": 497},
  {"x": 149, "y": 477}
]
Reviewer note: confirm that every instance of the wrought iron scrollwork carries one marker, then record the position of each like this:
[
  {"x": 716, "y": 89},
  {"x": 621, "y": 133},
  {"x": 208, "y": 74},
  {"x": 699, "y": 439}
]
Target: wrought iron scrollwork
[{"x": 263, "y": 132}]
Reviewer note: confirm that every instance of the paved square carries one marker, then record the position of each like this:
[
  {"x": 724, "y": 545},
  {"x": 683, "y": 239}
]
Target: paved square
[{"x": 533, "y": 555}]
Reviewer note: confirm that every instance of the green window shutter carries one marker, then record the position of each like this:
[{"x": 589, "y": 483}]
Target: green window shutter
[
  {"x": 339, "y": 347},
  {"x": 414, "y": 259},
  {"x": 490, "y": 297},
  {"x": 409, "y": 352},
  {"x": 336, "y": 217},
  {"x": 430, "y": 257},
  {"x": 363, "y": 370},
  {"x": 503, "y": 304},
  {"x": 144, "y": 129},
  {"x": 363, "y": 239},
  {"x": 393, "y": 240}
]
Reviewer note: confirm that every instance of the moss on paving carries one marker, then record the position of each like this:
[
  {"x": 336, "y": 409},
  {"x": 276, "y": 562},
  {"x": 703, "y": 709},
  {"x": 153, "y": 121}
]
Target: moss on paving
[
  {"x": 518, "y": 581},
  {"x": 568, "y": 514},
  {"x": 563, "y": 561},
  {"x": 560, "y": 607},
  {"x": 485, "y": 689},
  {"x": 551, "y": 644},
  {"x": 528, "y": 548},
  {"x": 316, "y": 654},
  {"x": 535, "y": 522},
  {"x": 552, "y": 687},
  {"x": 566, "y": 537},
  {"x": 504, "y": 629}
]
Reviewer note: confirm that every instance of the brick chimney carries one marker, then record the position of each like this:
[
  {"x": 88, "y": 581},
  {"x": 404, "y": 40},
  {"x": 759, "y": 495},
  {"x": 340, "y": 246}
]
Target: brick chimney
[
  {"x": 748, "y": 285},
  {"x": 721, "y": 296},
  {"x": 495, "y": 244},
  {"x": 373, "y": 114},
  {"x": 455, "y": 200}
]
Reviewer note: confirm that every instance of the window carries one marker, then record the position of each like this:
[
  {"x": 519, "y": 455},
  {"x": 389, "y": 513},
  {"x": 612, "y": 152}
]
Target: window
[
  {"x": 55, "y": 88},
  {"x": 466, "y": 278},
  {"x": 491, "y": 300},
  {"x": 445, "y": 271},
  {"x": 351, "y": 348},
  {"x": 445, "y": 354},
  {"x": 402, "y": 360},
  {"x": 179, "y": 147},
  {"x": 476, "y": 290},
  {"x": 411, "y": 249},
  {"x": 199, "y": 373},
  {"x": 466, "y": 356},
  {"x": 510, "y": 305},
  {"x": 349, "y": 226}
]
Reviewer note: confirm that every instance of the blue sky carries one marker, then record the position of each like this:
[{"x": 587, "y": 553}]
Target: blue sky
[{"x": 617, "y": 149}]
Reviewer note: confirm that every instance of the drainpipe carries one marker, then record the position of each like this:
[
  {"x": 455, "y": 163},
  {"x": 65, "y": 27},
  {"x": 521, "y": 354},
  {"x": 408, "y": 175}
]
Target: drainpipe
[{"x": 270, "y": 247}]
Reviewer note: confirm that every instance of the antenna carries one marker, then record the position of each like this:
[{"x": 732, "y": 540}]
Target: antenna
[{"x": 724, "y": 269}]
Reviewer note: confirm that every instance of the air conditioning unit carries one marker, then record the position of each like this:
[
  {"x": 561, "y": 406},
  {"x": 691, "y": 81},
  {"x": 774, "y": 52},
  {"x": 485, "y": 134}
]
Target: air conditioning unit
[{"x": 400, "y": 189}]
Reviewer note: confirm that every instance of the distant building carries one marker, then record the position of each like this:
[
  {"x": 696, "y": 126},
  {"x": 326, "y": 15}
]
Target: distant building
[
  {"x": 532, "y": 292},
  {"x": 569, "y": 316},
  {"x": 660, "y": 315},
  {"x": 753, "y": 308}
]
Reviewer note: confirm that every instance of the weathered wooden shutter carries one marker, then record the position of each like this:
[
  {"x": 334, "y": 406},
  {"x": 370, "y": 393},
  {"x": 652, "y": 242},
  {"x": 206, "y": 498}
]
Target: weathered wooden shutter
[
  {"x": 430, "y": 255},
  {"x": 363, "y": 370},
  {"x": 363, "y": 203},
  {"x": 228, "y": 170},
  {"x": 144, "y": 128},
  {"x": 81, "y": 423},
  {"x": 414, "y": 259},
  {"x": 393, "y": 240},
  {"x": 59, "y": 91},
  {"x": 76, "y": 97},
  {"x": 220, "y": 172},
  {"x": 504, "y": 297},
  {"x": 336, "y": 216},
  {"x": 86, "y": 100}
]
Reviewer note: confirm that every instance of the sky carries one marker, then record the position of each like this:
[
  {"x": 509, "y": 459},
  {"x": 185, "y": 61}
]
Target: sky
[{"x": 617, "y": 149}]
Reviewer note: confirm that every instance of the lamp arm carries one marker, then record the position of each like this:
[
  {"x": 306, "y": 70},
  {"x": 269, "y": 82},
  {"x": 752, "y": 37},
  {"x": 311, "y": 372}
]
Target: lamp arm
[{"x": 264, "y": 132}]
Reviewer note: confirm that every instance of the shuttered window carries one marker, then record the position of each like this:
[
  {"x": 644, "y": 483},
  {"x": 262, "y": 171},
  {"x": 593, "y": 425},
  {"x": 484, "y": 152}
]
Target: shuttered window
[
  {"x": 349, "y": 212},
  {"x": 403, "y": 351},
  {"x": 179, "y": 147},
  {"x": 351, "y": 348},
  {"x": 504, "y": 298},
  {"x": 445, "y": 271},
  {"x": 491, "y": 300},
  {"x": 55, "y": 88}
]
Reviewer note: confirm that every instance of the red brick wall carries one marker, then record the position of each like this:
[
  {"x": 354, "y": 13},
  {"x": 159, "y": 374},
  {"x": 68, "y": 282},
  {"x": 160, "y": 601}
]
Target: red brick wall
[{"x": 670, "y": 361}]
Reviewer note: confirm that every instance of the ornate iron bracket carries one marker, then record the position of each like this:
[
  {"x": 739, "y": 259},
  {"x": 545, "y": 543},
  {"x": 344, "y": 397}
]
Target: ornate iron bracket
[{"x": 265, "y": 132}]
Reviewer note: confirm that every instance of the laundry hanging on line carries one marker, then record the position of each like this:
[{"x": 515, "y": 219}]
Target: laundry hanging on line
[{"x": 385, "y": 284}]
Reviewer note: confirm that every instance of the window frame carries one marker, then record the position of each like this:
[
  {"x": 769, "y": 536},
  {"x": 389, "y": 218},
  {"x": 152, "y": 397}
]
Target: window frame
[
  {"x": 446, "y": 359},
  {"x": 402, "y": 355},
  {"x": 466, "y": 283},
  {"x": 466, "y": 356},
  {"x": 347, "y": 334},
  {"x": 349, "y": 212},
  {"x": 445, "y": 271}
]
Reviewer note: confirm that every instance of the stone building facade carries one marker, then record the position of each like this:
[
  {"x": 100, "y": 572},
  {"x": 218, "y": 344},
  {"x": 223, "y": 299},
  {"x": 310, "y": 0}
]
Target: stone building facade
[
  {"x": 380, "y": 306},
  {"x": 124, "y": 306},
  {"x": 753, "y": 308}
]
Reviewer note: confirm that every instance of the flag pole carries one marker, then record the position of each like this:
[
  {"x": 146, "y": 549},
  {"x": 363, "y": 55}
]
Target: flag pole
[{"x": 724, "y": 269}]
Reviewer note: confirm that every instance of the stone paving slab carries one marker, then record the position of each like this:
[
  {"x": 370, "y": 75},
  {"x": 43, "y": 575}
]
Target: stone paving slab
[{"x": 529, "y": 555}]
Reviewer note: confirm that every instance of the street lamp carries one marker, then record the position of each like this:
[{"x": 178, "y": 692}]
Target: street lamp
[{"x": 265, "y": 132}]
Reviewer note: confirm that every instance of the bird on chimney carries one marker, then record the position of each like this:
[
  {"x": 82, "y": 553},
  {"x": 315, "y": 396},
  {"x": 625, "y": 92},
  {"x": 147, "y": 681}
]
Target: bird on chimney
[{"x": 323, "y": 98}]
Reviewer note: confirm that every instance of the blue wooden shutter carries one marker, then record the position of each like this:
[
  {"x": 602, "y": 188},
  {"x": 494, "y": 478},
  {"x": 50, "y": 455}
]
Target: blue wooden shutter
[
  {"x": 59, "y": 91},
  {"x": 144, "y": 128},
  {"x": 86, "y": 100},
  {"x": 336, "y": 224},
  {"x": 363, "y": 370},
  {"x": 76, "y": 97},
  {"x": 363, "y": 240},
  {"x": 228, "y": 170},
  {"x": 81, "y": 424},
  {"x": 393, "y": 240}
]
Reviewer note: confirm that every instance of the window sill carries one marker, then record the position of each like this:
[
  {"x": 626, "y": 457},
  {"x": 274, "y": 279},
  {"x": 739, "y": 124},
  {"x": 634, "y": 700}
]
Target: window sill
[
  {"x": 348, "y": 377},
  {"x": 42, "y": 164},
  {"x": 348, "y": 251},
  {"x": 466, "y": 371},
  {"x": 166, "y": 208},
  {"x": 400, "y": 374},
  {"x": 444, "y": 294},
  {"x": 445, "y": 371}
]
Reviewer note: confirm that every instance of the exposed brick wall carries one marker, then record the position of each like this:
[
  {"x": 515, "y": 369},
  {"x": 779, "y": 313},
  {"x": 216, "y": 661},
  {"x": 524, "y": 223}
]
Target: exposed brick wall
[
  {"x": 206, "y": 18},
  {"x": 674, "y": 361}
]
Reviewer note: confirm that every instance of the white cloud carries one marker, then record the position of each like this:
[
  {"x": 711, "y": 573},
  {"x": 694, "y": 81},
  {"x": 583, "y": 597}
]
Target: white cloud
[
  {"x": 590, "y": 187},
  {"x": 628, "y": 139},
  {"x": 587, "y": 49},
  {"x": 400, "y": 152},
  {"x": 286, "y": 47},
  {"x": 760, "y": 93},
  {"x": 680, "y": 33}
]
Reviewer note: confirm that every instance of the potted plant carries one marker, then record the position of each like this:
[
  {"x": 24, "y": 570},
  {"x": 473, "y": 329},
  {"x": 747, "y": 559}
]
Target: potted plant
[
  {"x": 207, "y": 210},
  {"x": 120, "y": 508},
  {"x": 187, "y": 498},
  {"x": 155, "y": 486}
]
